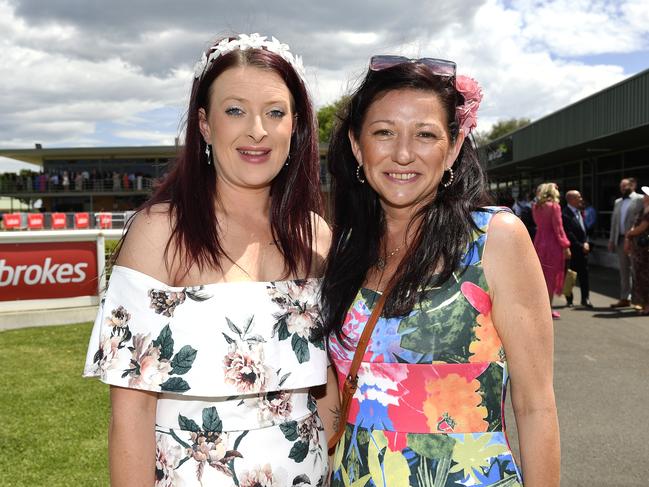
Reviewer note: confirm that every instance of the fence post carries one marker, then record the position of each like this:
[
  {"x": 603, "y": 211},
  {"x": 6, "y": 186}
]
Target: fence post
[{"x": 101, "y": 265}]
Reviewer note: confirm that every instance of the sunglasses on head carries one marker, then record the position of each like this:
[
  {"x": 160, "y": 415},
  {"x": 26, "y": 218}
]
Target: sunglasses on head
[{"x": 440, "y": 67}]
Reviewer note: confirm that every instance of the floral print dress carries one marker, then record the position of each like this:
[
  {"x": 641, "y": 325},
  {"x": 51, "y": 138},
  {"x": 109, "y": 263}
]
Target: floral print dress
[
  {"x": 232, "y": 363},
  {"x": 428, "y": 410}
]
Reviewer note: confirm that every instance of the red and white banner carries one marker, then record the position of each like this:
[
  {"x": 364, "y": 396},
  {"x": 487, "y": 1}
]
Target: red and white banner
[
  {"x": 11, "y": 221},
  {"x": 105, "y": 220},
  {"x": 47, "y": 270},
  {"x": 35, "y": 221},
  {"x": 81, "y": 220},
  {"x": 58, "y": 221}
]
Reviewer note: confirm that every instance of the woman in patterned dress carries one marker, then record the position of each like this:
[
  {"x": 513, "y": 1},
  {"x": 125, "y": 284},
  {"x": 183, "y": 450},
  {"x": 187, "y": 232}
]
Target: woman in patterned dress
[
  {"x": 635, "y": 244},
  {"x": 209, "y": 334},
  {"x": 468, "y": 306}
]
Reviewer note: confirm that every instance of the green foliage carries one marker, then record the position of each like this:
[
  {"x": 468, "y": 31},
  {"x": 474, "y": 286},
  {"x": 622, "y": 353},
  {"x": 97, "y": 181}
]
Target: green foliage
[
  {"x": 183, "y": 360},
  {"x": 299, "y": 451},
  {"x": 290, "y": 430},
  {"x": 175, "y": 384},
  {"x": 165, "y": 343},
  {"x": 327, "y": 117},
  {"x": 301, "y": 348},
  {"x": 110, "y": 246},
  {"x": 500, "y": 128},
  {"x": 491, "y": 390},
  {"x": 188, "y": 424},
  {"x": 431, "y": 446},
  {"x": 211, "y": 420},
  {"x": 54, "y": 423},
  {"x": 440, "y": 325}
]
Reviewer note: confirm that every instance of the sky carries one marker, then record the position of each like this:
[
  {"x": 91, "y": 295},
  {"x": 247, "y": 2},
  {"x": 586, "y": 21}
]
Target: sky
[{"x": 91, "y": 73}]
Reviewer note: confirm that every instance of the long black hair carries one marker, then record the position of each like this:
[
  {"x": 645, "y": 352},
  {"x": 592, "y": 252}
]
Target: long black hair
[{"x": 445, "y": 226}]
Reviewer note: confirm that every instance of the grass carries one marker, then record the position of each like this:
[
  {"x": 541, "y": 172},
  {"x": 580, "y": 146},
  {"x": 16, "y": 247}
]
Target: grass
[{"x": 53, "y": 423}]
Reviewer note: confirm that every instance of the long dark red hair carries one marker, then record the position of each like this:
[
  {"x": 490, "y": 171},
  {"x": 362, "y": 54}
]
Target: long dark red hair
[{"x": 190, "y": 187}]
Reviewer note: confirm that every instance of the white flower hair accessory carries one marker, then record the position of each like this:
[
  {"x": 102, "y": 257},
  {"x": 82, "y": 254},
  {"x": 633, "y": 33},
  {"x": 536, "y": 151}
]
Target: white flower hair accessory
[{"x": 244, "y": 42}]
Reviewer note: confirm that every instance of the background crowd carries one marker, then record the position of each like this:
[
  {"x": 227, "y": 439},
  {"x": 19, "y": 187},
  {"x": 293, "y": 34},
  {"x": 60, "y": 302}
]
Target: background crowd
[
  {"x": 84, "y": 180},
  {"x": 562, "y": 237}
]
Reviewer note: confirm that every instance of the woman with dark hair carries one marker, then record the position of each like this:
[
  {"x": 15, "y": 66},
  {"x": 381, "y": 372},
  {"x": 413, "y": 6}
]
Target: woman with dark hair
[
  {"x": 429, "y": 296},
  {"x": 210, "y": 332}
]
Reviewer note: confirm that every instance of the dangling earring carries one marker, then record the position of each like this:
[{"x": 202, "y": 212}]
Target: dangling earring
[
  {"x": 208, "y": 154},
  {"x": 288, "y": 159},
  {"x": 450, "y": 177},
  {"x": 358, "y": 174}
]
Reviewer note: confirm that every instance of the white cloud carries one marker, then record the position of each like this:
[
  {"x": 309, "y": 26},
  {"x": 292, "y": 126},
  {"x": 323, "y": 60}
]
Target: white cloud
[
  {"x": 585, "y": 27},
  {"x": 82, "y": 78},
  {"x": 12, "y": 165},
  {"x": 152, "y": 137},
  {"x": 359, "y": 38},
  {"x": 520, "y": 77}
]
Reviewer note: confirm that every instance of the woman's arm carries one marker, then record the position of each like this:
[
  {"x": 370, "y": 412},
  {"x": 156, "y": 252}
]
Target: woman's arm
[
  {"x": 131, "y": 437},
  {"x": 328, "y": 400},
  {"x": 638, "y": 230},
  {"x": 521, "y": 314},
  {"x": 557, "y": 226}
]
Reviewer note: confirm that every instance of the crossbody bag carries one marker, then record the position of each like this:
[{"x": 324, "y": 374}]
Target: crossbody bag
[{"x": 351, "y": 381}]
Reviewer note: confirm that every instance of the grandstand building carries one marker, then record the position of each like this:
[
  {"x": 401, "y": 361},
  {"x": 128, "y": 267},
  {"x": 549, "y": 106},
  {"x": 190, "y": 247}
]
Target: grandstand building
[
  {"x": 93, "y": 179},
  {"x": 87, "y": 178},
  {"x": 588, "y": 146}
]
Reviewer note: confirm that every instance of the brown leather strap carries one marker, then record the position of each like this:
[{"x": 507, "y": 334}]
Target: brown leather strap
[{"x": 351, "y": 381}]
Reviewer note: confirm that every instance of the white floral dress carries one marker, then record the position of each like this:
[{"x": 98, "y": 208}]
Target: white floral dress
[{"x": 233, "y": 363}]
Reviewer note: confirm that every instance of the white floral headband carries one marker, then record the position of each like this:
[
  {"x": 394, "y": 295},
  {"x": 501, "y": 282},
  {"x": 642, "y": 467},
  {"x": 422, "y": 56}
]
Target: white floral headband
[{"x": 244, "y": 42}]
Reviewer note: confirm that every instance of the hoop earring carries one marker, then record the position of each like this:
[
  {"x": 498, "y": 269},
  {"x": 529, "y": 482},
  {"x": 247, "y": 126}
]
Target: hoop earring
[
  {"x": 208, "y": 152},
  {"x": 358, "y": 174},
  {"x": 451, "y": 176}
]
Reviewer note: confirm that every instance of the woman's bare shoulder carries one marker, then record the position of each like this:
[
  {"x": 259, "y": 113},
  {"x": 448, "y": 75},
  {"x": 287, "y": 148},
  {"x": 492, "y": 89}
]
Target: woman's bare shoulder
[
  {"x": 321, "y": 235},
  {"x": 144, "y": 248},
  {"x": 321, "y": 243}
]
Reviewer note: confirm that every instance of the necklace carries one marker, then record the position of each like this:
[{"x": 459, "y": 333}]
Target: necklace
[{"x": 382, "y": 261}]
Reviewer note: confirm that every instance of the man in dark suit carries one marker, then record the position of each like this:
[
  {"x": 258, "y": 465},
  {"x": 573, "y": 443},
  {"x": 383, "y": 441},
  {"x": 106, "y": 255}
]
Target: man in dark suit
[{"x": 573, "y": 225}]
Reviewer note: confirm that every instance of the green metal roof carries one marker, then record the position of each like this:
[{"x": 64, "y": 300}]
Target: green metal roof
[{"x": 620, "y": 108}]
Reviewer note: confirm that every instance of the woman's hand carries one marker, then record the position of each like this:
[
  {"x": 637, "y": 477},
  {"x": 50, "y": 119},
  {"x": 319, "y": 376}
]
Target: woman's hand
[
  {"x": 628, "y": 247},
  {"x": 328, "y": 400},
  {"x": 566, "y": 253}
]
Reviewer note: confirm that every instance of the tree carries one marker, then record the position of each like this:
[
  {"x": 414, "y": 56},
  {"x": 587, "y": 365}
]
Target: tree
[
  {"x": 327, "y": 118},
  {"x": 500, "y": 128}
]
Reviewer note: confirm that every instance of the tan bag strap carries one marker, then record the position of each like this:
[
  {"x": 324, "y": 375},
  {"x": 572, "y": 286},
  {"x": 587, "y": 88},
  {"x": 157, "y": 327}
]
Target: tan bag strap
[{"x": 351, "y": 381}]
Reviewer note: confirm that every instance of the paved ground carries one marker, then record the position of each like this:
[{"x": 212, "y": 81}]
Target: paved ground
[{"x": 602, "y": 390}]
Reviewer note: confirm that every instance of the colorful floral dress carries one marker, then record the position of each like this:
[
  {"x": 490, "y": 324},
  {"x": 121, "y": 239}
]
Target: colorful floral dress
[
  {"x": 232, "y": 363},
  {"x": 428, "y": 410}
]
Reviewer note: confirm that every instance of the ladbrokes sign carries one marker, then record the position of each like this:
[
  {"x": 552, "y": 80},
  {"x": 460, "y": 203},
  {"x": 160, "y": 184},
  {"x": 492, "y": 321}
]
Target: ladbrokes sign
[{"x": 47, "y": 270}]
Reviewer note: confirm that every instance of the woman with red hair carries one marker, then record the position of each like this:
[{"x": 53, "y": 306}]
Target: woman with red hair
[{"x": 209, "y": 334}]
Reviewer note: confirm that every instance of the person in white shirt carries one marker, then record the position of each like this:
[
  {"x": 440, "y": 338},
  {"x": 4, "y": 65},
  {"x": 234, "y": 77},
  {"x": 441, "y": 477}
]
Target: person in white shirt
[{"x": 624, "y": 213}]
